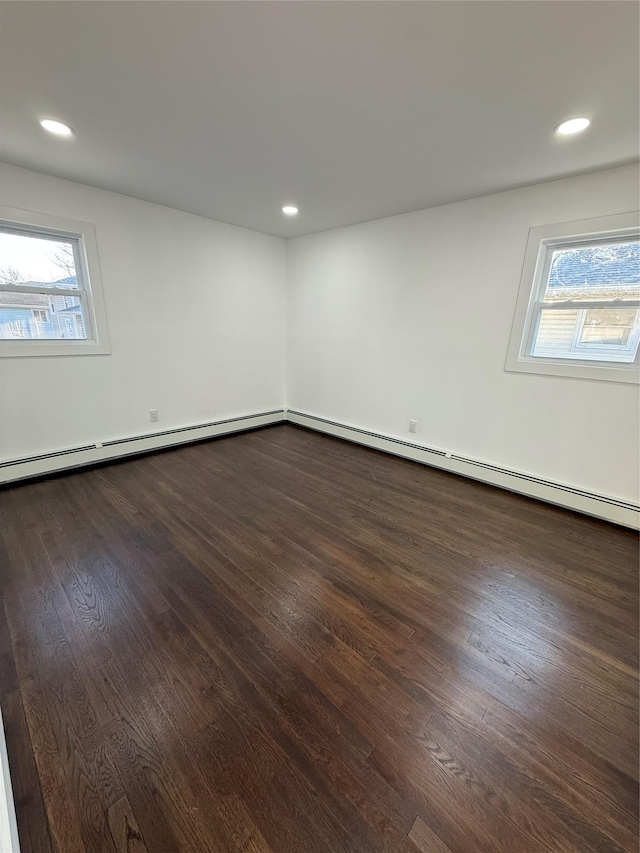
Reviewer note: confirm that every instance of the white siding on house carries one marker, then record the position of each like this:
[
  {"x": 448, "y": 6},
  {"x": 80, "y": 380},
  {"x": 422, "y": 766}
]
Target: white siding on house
[{"x": 556, "y": 332}]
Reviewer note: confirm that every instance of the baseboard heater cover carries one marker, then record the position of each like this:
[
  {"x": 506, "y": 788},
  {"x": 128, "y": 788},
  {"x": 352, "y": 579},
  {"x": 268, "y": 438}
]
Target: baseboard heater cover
[
  {"x": 569, "y": 497},
  {"x": 90, "y": 454}
]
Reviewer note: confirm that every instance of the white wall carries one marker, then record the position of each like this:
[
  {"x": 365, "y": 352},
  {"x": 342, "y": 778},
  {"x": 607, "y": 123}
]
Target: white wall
[
  {"x": 196, "y": 314},
  {"x": 409, "y": 317}
]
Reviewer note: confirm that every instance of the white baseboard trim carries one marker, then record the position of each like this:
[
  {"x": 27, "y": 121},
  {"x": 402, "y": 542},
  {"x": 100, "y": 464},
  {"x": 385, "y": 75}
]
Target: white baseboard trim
[
  {"x": 601, "y": 506},
  {"x": 569, "y": 497},
  {"x": 76, "y": 457},
  {"x": 9, "y": 842}
]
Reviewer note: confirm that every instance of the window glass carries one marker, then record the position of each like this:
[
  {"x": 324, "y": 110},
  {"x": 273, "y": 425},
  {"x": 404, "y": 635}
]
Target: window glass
[
  {"x": 605, "y": 271},
  {"x": 36, "y": 261},
  {"x": 603, "y": 275},
  {"x": 33, "y": 271}
]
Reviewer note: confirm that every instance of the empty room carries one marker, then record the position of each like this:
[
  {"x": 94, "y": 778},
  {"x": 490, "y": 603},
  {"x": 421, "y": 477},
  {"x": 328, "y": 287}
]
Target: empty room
[{"x": 319, "y": 426}]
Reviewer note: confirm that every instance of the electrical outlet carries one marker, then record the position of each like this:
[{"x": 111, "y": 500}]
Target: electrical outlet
[
  {"x": 413, "y": 426},
  {"x": 153, "y": 415}
]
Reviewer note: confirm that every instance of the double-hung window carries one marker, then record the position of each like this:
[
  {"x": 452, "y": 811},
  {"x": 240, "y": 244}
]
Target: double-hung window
[
  {"x": 578, "y": 311},
  {"x": 50, "y": 293}
]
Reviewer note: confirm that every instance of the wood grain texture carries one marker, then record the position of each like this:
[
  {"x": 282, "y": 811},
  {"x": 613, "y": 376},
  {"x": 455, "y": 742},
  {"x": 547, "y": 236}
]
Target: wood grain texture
[
  {"x": 425, "y": 840},
  {"x": 279, "y": 642},
  {"x": 124, "y": 828}
]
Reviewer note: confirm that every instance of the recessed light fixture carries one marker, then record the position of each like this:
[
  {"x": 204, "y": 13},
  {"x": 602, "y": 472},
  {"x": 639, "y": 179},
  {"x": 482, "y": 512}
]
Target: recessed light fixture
[
  {"x": 56, "y": 127},
  {"x": 574, "y": 125},
  {"x": 289, "y": 210}
]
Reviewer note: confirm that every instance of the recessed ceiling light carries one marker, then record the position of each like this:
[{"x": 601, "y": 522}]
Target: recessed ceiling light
[
  {"x": 574, "y": 125},
  {"x": 289, "y": 210},
  {"x": 57, "y": 127}
]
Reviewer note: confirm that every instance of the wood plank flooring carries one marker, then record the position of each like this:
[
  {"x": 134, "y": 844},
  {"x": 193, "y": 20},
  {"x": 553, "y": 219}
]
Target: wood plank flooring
[{"x": 281, "y": 642}]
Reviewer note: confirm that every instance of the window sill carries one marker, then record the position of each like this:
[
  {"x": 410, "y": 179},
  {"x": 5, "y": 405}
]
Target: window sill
[
  {"x": 47, "y": 348},
  {"x": 628, "y": 373}
]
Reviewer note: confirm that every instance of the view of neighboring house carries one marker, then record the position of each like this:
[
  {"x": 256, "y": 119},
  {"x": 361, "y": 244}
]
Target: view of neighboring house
[
  {"x": 41, "y": 315},
  {"x": 591, "y": 274}
]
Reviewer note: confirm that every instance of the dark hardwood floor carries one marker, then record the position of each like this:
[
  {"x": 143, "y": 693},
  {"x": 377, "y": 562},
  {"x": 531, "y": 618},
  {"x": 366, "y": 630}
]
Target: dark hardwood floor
[{"x": 281, "y": 642}]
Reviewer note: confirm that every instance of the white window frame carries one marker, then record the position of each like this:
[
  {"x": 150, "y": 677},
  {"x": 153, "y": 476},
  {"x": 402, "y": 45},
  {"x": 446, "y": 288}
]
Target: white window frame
[
  {"x": 535, "y": 272},
  {"x": 83, "y": 238}
]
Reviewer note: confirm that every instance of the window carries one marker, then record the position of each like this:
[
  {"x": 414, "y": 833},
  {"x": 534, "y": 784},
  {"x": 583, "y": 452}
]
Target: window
[
  {"x": 578, "y": 311},
  {"x": 50, "y": 294}
]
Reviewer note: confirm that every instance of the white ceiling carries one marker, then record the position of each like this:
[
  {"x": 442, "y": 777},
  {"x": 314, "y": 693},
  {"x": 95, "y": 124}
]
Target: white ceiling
[{"x": 350, "y": 110}]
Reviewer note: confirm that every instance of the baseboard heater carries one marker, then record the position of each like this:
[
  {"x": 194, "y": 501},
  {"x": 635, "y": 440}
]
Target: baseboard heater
[
  {"x": 90, "y": 454},
  {"x": 601, "y": 506},
  {"x": 569, "y": 497}
]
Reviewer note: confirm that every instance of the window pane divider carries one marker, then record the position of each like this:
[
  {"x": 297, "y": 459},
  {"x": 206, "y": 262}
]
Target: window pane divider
[
  {"x": 42, "y": 291},
  {"x": 586, "y": 304}
]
